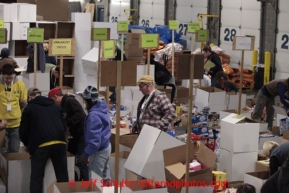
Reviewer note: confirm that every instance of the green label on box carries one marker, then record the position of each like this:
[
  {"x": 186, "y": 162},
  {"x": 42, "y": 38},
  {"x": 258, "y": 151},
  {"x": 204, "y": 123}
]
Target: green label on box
[
  {"x": 1, "y": 23},
  {"x": 149, "y": 40},
  {"x": 202, "y": 35},
  {"x": 108, "y": 49},
  {"x": 3, "y": 37},
  {"x": 173, "y": 24},
  {"x": 100, "y": 34},
  {"x": 122, "y": 26},
  {"x": 35, "y": 35},
  {"x": 193, "y": 27}
]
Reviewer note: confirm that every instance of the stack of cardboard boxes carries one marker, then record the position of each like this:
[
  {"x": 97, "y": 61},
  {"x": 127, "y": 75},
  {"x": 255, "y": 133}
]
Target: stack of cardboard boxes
[
  {"x": 239, "y": 146},
  {"x": 132, "y": 48}
]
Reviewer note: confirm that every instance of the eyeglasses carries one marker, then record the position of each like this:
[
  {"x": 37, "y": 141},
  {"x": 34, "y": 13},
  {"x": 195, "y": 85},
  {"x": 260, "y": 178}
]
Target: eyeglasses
[{"x": 141, "y": 85}]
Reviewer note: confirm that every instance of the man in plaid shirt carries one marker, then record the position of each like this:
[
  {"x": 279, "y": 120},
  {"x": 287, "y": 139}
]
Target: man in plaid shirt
[{"x": 154, "y": 109}]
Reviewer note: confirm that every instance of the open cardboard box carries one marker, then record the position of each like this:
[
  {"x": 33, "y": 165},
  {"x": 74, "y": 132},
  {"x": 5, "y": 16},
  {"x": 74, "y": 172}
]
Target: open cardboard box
[
  {"x": 281, "y": 114},
  {"x": 175, "y": 170},
  {"x": 210, "y": 96},
  {"x": 141, "y": 186},
  {"x": 285, "y": 136},
  {"x": 225, "y": 113},
  {"x": 233, "y": 100},
  {"x": 134, "y": 36},
  {"x": 125, "y": 138},
  {"x": 239, "y": 134},
  {"x": 124, "y": 174},
  {"x": 257, "y": 179},
  {"x": 262, "y": 140},
  {"x": 76, "y": 187},
  {"x": 262, "y": 165},
  {"x": 146, "y": 157}
]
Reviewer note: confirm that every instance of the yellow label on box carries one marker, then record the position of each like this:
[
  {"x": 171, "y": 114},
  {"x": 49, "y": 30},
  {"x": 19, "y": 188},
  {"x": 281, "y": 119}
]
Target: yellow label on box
[
  {"x": 100, "y": 34},
  {"x": 35, "y": 35},
  {"x": 173, "y": 24},
  {"x": 1, "y": 23},
  {"x": 122, "y": 26},
  {"x": 3, "y": 36},
  {"x": 61, "y": 47},
  {"x": 202, "y": 36},
  {"x": 193, "y": 27},
  {"x": 108, "y": 49},
  {"x": 149, "y": 40}
]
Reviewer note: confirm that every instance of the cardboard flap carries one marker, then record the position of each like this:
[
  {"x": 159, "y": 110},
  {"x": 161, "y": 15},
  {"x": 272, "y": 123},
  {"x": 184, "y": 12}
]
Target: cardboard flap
[
  {"x": 206, "y": 156},
  {"x": 280, "y": 110},
  {"x": 178, "y": 170},
  {"x": 16, "y": 156},
  {"x": 261, "y": 175},
  {"x": 177, "y": 154},
  {"x": 122, "y": 131},
  {"x": 138, "y": 31},
  {"x": 211, "y": 89},
  {"x": 233, "y": 118}
]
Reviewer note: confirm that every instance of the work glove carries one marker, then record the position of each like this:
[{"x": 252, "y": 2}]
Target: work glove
[{"x": 82, "y": 160}]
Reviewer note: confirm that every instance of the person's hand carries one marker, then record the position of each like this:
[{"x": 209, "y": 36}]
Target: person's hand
[
  {"x": 82, "y": 160},
  {"x": 3, "y": 125}
]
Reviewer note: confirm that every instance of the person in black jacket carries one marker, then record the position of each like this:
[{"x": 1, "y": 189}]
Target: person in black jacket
[
  {"x": 210, "y": 55},
  {"x": 224, "y": 83},
  {"x": 42, "y": 131},
  {"x": 279, "y": 182},
  {"x": 277, "y": 153},
  {"x": 74, "y": 117}
]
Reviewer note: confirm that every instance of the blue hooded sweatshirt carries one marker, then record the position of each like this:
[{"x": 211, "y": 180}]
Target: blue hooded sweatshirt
[{"x": 97, "y": 128}]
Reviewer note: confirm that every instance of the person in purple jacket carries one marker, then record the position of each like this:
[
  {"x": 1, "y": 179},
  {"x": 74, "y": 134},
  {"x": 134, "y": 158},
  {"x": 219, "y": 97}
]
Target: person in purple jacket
[{"x": 97, "y": 133}]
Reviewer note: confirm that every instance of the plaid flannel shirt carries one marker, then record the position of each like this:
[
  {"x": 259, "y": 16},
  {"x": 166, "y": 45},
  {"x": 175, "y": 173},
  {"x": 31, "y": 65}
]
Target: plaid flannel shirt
[{"x": 159, "y": 113}]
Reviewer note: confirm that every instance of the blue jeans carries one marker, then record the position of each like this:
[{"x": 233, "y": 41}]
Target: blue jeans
[
  {"x": 99, "y": 163},
  {"x": 57, "y": 154},
  {"x": 12, "y": 140}
]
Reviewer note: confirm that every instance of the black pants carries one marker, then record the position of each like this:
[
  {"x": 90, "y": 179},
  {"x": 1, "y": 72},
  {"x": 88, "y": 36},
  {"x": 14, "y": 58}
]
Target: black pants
[
  {"x": 76, "y": 146},
  {"x": 57, "y": 154}
]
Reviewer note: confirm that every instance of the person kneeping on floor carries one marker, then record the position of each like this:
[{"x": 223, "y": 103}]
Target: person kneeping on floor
[
  {"x": 97, "y": 133},
  {"x": 42, "y": 131}
]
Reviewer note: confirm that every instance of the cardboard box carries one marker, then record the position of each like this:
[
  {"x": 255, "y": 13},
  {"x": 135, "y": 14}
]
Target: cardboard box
[
  {"x": 225, "y": 113},
  {"x": 5, "y": 12},
  {"x": 250, "y": 102},
  {"x": 146, "y": 157},
  {"x": 99, "y": 184},
  {"x": 257, "y": 179},
  {"x": 19, "y": 31},
  {"x": 26, "y": 12},
  {"x": 140, "y": 186},
  {"x": 262, "y": 166},
  {"x": 125, "y": 138},
  {"x": 112, "y": 26},
  {"x": 43, "y": 80},
  {"x": 175, "y": 170},
  {"x": 134, "y": 37},
  {"x": 76, "y": 187},
  {"x": 182, "y": 93},
  {"x": 50, "y": 12},
  {"x": 262, "y": 140},
  {"x": 90, "y": 62},
  {"x": 208, "y": 96},
  {"x": 137, "y": 59},
  {"x": 17, "y": 167},
  {"x": 239, "y": 134},
  {"x": 281, "y": 114},
  {"x": 237, "y": 164},
  {"x": 124, "y": 174},
  {"x": 109, "y": 70},
  {"x": 132, "y": 50},
  {"x": 8, "y": 27},
  {"x": 233, "y": 100}
]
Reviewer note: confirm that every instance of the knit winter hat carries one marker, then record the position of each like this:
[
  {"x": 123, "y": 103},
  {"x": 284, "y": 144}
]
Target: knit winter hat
[
  {"x": 90, "y": 93},
  {"x": 5, "y": 52}
]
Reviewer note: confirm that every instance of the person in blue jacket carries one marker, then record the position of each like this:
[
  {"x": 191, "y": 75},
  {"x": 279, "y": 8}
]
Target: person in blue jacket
[
  {"x": 97, "y": 133},
  {"x": 211, "y": 55}
]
